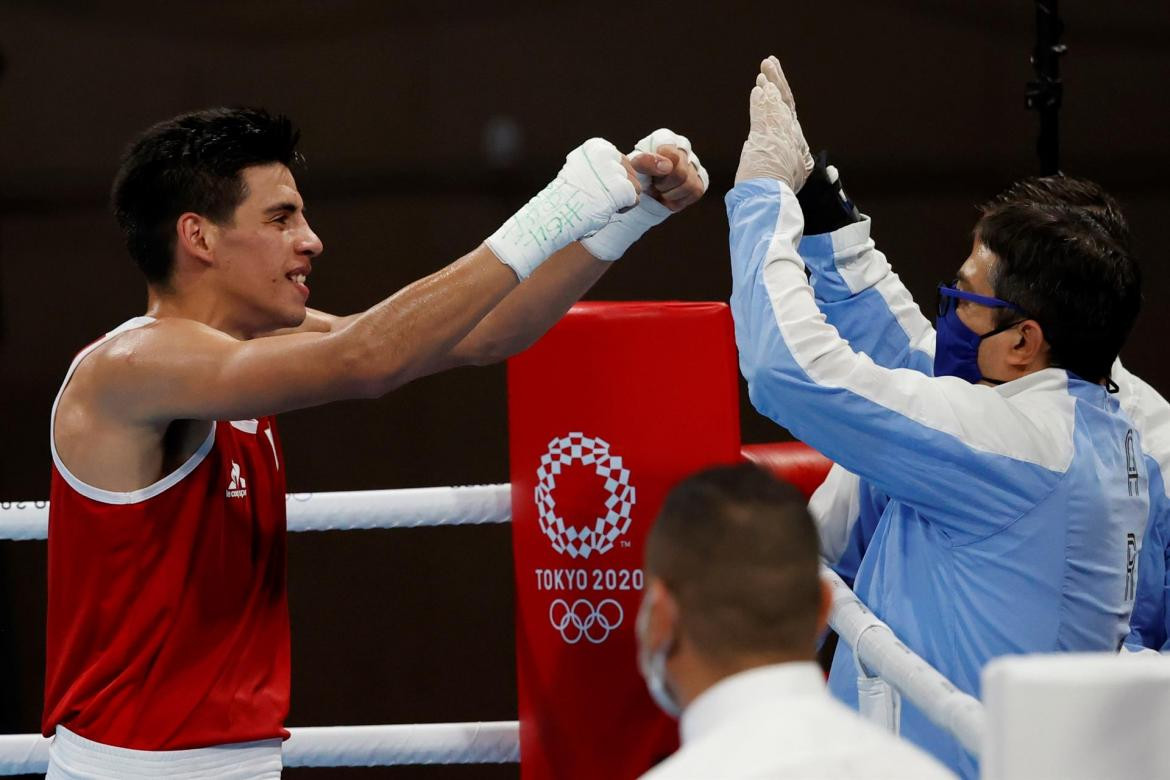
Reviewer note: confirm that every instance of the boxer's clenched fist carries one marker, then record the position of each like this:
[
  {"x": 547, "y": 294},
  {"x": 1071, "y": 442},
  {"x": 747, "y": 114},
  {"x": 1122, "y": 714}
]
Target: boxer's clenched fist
[
  {"x": 670, "y": 174},
  {"x": 687, "y": 179},
  {"x": 594, "y": 184}
]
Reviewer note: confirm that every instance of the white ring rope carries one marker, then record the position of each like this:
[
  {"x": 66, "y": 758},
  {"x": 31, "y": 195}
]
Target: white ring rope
[
  {"x": 417, "y": 743},
  {"x": 881, "y": 652},
  {"x": 421, "y": 743},
  {"x": 874, "y": 643},
  {"x": 341, "y": 511}
]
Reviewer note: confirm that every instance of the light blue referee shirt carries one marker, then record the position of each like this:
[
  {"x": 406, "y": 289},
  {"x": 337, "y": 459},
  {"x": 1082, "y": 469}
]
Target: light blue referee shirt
[
  {"x": 1010, "y": 512},
  {"x": 865, "y": 300}
]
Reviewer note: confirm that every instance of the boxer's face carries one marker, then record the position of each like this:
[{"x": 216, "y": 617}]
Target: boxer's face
[{"x": 267, "y": 251}]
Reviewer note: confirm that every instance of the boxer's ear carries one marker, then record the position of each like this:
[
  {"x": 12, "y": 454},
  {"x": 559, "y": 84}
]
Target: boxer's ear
[{"x": 195, "y": 236}]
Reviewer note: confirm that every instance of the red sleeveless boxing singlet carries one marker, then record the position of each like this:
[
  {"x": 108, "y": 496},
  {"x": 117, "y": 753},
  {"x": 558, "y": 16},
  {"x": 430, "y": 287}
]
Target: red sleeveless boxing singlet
[{"x": 167, "y": 616}]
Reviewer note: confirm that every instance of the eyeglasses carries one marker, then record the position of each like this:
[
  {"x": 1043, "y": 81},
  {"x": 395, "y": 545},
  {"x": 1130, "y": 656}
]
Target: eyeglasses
[{"x": 947, "y": 295}]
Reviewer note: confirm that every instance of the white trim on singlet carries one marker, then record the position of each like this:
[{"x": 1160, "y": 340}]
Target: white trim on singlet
[
  {"x": 247, "y": 426},
  {"x": 111, "y": 496}
]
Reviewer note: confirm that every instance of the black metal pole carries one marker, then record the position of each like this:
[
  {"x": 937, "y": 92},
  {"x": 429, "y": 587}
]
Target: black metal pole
[{"x": 1045, "y": 92}]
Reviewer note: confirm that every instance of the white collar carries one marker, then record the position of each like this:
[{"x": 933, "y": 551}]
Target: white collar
[
  {"x": 1046, "y": 379},
  {"x": 728, "y": 697},
  {"x": 1058, "y": 380}
]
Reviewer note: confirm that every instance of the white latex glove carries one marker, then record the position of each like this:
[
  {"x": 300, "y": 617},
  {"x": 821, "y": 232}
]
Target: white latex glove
[
  {"x": 772, "y": 71},
  {"x": 612, "y": 241},
  {"x": 590, "y": 188},
  {"x": 772, "y": 149}
]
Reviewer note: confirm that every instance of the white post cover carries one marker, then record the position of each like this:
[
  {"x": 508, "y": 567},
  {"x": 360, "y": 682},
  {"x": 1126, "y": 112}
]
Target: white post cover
[{"x": 1077, "y": 716}]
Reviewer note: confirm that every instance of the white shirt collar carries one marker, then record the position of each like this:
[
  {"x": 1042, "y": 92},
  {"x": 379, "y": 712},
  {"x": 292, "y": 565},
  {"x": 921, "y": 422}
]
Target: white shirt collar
[
  {"x": 728, "y": 697},
  {"x": 1053, "y": 379}
]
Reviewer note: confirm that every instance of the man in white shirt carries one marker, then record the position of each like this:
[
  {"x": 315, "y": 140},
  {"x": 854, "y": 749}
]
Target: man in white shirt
[{"x": 726, "y": 638}]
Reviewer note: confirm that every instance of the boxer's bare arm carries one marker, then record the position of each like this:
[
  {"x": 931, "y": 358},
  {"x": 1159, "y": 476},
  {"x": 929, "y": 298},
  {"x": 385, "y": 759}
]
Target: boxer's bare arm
[
  {"x": 180, "y": 369},
  {"x": 515, "y": 323},
  {"x": 528, "y": 311}
]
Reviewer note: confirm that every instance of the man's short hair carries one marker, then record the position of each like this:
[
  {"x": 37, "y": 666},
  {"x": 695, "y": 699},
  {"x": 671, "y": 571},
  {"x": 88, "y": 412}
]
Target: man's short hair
[
  {"x": 738, "y": 550},
  {"x": 192, "y": 163},
  {"x": 1063, "y": 190},
  {"x": 1064, "y": 257}
]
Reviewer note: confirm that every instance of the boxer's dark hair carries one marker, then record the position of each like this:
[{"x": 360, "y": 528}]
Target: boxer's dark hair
[
  {"x": 739, "y": 552},
  {"x": 1064, "y": 257},
  {"x": 192, "y": 163}
]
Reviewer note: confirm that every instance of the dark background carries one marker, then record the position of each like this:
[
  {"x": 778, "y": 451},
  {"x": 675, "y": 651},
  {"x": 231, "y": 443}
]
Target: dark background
[{"x": 921, "y": 103}]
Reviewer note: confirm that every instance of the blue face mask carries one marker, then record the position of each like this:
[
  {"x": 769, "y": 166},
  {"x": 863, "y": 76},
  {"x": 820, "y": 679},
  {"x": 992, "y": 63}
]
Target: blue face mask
[
  {"x": 956, "y": 348},
  {"x": 652, "y": 663}
]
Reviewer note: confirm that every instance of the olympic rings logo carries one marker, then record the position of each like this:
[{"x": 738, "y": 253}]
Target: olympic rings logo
[
  {"x": 589, "y": 451},
  {"x": 582, "y": 619},
  {"x": 22, "y": 505}
]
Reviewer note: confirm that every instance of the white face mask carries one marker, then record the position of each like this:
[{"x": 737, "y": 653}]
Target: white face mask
[{"x": 652, "y": 663}]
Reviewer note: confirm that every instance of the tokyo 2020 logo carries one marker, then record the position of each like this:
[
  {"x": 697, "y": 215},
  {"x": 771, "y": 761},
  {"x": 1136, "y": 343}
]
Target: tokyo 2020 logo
[{"x": 611, "y": 521}]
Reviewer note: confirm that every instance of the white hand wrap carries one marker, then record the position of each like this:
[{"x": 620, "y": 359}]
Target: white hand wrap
[
  {"x": 590, "y": 187},
  {"x": 612, "y": 241}
]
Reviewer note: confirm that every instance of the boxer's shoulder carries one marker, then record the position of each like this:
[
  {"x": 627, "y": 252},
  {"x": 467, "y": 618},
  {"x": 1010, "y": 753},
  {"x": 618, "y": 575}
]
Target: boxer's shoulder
[{"x": 98, "y": 430}]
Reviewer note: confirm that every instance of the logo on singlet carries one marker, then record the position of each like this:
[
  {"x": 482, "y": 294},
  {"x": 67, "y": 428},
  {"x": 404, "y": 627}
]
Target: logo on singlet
[{"x": 238, "y": 486}]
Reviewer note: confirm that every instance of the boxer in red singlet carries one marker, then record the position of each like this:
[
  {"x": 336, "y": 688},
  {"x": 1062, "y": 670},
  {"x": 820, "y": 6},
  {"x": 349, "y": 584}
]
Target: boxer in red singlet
[{"x": 168, "y": 637}]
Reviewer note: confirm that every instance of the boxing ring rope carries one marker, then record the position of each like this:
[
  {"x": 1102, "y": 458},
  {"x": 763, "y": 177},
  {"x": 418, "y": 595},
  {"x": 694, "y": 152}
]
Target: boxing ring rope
[
  {"x": 327, "y": 746},
  {"x": 883, "y": 654},
  {"x": 340, "y": 511},
  {"x": 878, "y": 650}
]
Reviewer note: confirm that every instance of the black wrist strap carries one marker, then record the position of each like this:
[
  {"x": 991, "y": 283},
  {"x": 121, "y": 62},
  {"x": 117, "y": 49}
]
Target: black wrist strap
[{"x": 825, "y": 205}]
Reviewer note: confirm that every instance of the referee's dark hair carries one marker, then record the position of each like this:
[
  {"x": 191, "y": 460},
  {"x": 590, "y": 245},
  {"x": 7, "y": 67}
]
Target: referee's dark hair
[{"x": 738, "y": 551}]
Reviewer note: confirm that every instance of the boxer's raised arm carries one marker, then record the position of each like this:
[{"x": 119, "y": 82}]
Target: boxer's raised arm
[
  {"x": 669, "y": 172},
  {"x": 181, "y": 369},
  {"x": 512, "y": 325}
]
